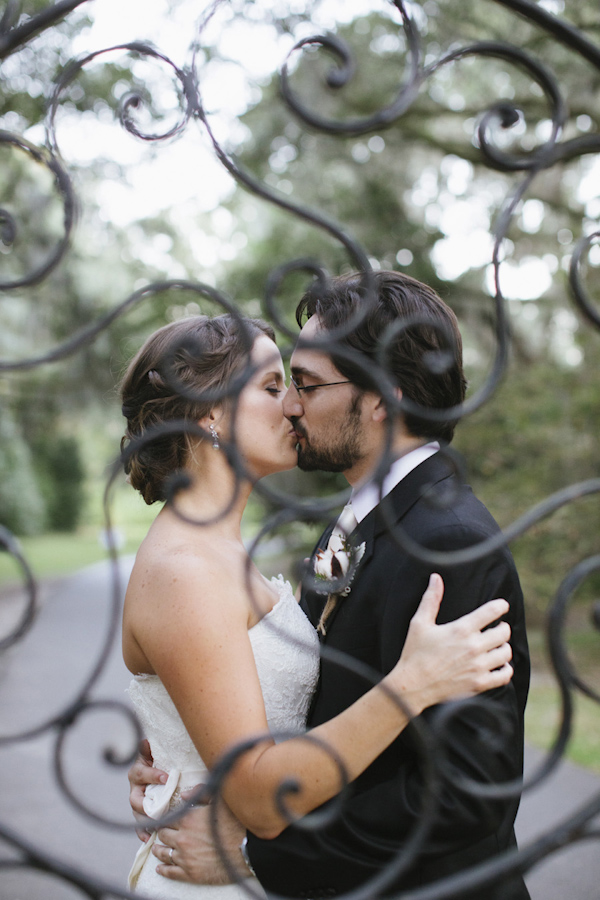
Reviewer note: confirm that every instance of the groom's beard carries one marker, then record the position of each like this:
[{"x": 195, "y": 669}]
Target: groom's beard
[{"x": 335, "y": 452}]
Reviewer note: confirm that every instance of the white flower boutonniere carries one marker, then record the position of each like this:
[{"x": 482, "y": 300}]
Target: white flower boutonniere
[{"x": 336, "y": 565}]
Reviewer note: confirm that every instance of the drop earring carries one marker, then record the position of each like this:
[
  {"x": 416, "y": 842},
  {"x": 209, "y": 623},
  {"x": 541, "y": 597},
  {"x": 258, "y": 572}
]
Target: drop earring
[{"x": 215, "y": 437}]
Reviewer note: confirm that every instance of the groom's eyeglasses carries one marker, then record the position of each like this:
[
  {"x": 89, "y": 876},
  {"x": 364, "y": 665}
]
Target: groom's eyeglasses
[{"x": 309, "y": 388}]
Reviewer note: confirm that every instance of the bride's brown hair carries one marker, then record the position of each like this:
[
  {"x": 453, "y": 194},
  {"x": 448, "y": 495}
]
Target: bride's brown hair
[{"x": 200, "y": 354}]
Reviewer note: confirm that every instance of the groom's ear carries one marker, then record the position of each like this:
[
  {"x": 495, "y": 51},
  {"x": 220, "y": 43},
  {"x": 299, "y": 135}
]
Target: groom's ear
[{"x": 380, "y": 411}]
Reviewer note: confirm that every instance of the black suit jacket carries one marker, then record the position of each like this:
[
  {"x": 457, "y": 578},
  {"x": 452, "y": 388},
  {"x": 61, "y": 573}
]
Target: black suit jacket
[{"x": 384, "y": 805}]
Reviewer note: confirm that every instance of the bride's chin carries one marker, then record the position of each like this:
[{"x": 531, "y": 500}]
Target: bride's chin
[{"x": 284, "y": 464}]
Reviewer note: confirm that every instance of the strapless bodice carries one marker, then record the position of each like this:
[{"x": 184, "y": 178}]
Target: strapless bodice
[{"x": 286, "y": 653}]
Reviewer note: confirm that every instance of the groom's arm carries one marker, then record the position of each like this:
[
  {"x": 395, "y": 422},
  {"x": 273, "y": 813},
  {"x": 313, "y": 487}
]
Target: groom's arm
[{"x": 387, "y": 804}]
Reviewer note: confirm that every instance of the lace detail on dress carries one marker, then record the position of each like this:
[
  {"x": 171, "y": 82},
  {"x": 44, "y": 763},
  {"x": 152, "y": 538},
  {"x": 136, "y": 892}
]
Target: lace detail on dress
[{"x": 286, "y": 652}]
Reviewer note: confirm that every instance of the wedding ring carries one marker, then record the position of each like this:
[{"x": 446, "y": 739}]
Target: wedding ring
[{"x": 171, "y": 863}]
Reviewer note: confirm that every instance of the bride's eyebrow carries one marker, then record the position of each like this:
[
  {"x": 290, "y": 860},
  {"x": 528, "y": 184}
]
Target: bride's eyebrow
[{"x": 276, "y": 374}]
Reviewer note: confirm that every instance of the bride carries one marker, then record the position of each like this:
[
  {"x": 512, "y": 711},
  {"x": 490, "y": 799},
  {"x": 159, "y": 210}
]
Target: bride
[{"x": 220, "y": 654}]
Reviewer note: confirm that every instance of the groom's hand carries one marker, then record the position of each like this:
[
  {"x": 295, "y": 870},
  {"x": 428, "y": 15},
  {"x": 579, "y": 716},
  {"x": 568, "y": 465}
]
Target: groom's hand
[
  {"x": 141, "y": 774},
  {"x": 187, "y": 849}
]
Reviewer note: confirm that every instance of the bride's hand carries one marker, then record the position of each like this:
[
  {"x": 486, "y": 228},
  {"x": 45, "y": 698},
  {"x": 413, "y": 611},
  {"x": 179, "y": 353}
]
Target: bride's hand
[
  {"x": 141, "y": 774},
  {"x": 445, "y": 662}
]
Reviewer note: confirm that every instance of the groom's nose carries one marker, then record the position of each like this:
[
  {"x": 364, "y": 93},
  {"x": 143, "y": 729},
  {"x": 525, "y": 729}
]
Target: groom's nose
[{"x": 292, "y": 404}]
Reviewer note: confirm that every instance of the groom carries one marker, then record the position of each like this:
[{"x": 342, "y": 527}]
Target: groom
[{"x": 341, "y": 419}]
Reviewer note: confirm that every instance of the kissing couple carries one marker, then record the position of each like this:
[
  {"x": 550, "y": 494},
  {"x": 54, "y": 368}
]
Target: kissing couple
[{"x": 221, "y": 656}]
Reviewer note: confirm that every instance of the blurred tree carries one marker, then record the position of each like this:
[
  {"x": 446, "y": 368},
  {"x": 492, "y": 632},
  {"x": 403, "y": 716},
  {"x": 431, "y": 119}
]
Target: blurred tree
[
  {"x": 103, "y": 264},
  {"x": 21, "y": 504},
  {"x": 416, "y": 195},
  {"x": 419, "y": 198},
  {"x": 61, "y": 474}
]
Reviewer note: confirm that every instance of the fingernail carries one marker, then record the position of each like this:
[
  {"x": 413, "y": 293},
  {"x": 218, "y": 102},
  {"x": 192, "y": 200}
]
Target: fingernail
[{"x": 163, "y": 779}]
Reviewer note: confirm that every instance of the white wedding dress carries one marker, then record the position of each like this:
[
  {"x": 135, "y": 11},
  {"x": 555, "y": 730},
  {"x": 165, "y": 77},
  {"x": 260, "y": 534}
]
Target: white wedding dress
[{"x": 286, "y": 651}]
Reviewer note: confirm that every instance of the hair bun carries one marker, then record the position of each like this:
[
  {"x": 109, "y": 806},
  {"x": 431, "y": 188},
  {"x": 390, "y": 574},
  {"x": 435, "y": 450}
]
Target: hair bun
[{"x": 218, "y": 352}]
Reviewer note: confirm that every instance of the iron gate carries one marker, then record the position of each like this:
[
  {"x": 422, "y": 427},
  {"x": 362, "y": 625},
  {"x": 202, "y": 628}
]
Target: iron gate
[{"x": 15, "y": 34}]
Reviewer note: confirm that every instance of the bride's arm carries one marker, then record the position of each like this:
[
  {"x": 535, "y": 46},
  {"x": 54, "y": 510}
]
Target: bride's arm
[{"x": 197, "y": 641}]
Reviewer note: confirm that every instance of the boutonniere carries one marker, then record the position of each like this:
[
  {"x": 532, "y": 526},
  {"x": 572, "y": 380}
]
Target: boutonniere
[
  {"x": 335, "y": 568},
  {"x": 337, "y": 563}
]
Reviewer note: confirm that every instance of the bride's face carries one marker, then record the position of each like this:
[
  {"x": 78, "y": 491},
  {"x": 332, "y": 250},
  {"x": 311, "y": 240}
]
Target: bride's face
[{"x": 264, "y": 437}]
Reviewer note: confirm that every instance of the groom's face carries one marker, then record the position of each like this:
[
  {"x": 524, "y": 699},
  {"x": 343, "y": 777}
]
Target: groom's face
[{"x": 327, "y": 420}]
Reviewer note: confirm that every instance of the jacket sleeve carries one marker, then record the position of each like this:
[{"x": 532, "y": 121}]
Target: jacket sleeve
[{"x": 482, "y": 742}]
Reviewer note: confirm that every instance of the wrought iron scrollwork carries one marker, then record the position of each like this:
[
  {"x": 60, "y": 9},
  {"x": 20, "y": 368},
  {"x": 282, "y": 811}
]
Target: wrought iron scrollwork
[{"x": 287, "y": 508}]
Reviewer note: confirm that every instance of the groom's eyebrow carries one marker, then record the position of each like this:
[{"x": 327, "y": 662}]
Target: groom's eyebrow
[{"x": 301, "y": 370}]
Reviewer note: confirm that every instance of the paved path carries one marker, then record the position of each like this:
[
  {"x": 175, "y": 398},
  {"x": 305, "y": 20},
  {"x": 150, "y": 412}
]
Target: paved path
[{"x": 42, "y": 674}]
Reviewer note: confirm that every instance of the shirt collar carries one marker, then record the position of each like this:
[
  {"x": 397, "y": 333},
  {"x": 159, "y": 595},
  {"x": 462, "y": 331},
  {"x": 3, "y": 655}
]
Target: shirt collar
[{"x": 367, "y": 497}]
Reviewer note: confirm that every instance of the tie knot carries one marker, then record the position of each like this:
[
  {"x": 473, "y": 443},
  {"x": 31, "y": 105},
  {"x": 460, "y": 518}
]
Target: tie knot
[{"x": 346, "y": 523}]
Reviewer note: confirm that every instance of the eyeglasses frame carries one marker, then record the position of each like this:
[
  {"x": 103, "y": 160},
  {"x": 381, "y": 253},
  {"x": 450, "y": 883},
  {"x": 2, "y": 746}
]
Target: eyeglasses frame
[{"x": 312, "y": 387}]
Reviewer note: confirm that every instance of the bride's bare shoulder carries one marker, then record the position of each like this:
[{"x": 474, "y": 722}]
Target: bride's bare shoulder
[{"x": 171, "y": 565}]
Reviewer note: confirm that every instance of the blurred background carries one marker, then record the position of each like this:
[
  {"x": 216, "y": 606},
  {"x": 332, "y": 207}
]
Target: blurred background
[{"x": 417, "y": 197}]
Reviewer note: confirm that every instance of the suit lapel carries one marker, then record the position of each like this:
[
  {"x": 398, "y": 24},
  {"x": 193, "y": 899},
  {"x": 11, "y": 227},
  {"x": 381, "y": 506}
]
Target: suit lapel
[
  {"x": 417, "y": 484},
  {"x": 421, "y": 481}
]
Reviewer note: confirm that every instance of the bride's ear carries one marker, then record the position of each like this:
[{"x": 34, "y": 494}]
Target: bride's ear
[
  {"x": 213, "y": 424},
  {"x": 212, "y": 418}
]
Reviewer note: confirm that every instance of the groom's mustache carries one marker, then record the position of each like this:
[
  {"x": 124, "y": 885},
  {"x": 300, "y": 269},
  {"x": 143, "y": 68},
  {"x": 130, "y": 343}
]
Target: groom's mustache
[{"x": 299, "y": 429}]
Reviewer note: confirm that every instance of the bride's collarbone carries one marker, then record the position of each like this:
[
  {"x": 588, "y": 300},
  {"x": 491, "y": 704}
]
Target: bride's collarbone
[
  {"x": 245, "y": 581},
  {"x": 258, "y": 595}
]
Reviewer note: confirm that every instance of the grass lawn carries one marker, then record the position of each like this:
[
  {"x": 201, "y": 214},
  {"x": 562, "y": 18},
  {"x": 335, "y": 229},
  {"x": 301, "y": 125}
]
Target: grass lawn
[
  {"x": 55, "y": 554},
  {"x": 542, "y": 720},
  {"x": 51, "y": 555},
  {"x": 543, "y": 714}
]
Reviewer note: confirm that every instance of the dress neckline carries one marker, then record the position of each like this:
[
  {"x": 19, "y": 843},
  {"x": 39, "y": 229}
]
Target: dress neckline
[{"x": 284, "y": 590}]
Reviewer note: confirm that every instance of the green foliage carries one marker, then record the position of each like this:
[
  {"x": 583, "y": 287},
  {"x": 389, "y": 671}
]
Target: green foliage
[
  {"x": 22, "y": 508},
  {"x": 400, "y": 191},
  {"x": 62, "y": 476},
  {"x": 536, "y": 436}
]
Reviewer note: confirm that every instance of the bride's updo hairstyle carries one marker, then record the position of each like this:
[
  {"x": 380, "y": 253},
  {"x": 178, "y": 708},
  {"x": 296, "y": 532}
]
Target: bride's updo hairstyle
[{"x": 199, "y": 354}]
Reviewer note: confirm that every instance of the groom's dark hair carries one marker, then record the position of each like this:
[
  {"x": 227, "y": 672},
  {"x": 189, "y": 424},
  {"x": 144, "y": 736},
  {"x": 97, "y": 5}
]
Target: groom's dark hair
[{"x": 423, "y": 356}]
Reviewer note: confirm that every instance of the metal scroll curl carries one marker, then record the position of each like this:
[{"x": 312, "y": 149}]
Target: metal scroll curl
[
  {"x": 429, "y": 736},
  {"x": 10, "y": 228},
  {"x": 10, "y": 545},
  {"x": 130, "y": 105}
]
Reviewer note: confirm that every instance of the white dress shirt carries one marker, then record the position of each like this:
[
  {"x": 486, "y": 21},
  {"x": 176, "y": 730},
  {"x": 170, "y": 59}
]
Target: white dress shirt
[{"x": 367, "y": 497}]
